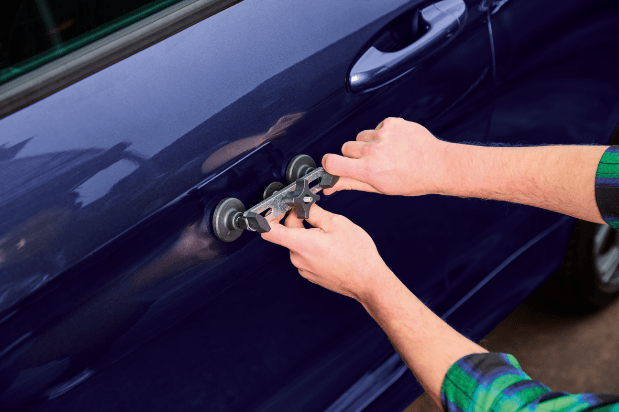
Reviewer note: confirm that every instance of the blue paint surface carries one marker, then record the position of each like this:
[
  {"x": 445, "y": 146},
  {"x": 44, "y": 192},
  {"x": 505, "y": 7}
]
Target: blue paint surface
[{"x": 114, "y": 295}]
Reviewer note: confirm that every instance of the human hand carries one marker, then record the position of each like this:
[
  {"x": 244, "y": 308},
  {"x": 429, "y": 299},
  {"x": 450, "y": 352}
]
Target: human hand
[
  {"x": 335, "y": 253},
  {"x": 398, "y": 158}
]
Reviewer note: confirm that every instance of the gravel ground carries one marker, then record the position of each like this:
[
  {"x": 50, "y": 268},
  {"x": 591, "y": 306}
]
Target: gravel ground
[{"x": 566, "y": 353}]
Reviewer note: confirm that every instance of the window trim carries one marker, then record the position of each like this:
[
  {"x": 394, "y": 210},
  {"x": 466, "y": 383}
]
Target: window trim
[{"x": 66, "y": 70}]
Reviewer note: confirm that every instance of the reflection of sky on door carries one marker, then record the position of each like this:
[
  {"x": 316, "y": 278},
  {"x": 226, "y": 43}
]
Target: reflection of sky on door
[
  {"x": 100, "y": 184},
  {"x": 200, "y": 71}
]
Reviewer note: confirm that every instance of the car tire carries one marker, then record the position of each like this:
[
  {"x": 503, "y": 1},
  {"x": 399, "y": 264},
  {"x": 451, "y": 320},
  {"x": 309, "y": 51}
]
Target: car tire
[{"x": 588, "y": 278}]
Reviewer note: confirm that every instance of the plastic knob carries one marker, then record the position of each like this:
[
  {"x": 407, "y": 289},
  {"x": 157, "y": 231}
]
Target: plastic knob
[{"x": 301, "y": 199}]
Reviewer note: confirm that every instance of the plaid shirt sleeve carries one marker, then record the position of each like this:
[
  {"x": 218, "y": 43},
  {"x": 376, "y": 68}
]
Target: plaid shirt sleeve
[
  {"x": 607, "y": 186},
  {"x": 495, "y": 382}
]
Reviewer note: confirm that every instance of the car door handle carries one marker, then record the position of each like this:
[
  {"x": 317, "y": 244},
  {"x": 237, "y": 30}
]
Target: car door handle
[{"x": 375, "y": 68}]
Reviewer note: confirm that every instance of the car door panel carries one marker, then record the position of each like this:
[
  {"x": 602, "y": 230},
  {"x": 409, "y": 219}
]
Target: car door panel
[
  {"x": 136, "y": 303},
  {"x": 557, "y": 81}
]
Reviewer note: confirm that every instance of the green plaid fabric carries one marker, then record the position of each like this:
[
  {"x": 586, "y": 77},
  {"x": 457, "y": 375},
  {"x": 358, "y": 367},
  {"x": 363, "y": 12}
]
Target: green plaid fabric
[
  {"x": 607, "y": 186},
  {"x": 495, "y": 382}
]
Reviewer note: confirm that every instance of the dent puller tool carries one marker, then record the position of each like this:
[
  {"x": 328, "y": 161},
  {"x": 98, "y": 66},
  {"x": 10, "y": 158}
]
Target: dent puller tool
[{"x": 230, "y": 217}]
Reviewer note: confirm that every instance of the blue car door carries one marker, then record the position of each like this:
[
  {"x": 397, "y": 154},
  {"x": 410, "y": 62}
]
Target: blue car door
[{"x": 115, "y": 294}]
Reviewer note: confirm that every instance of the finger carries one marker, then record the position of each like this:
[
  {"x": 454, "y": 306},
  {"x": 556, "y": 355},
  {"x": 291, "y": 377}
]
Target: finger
[
  {"x": 293, "y": 221},
  {"x": 320, "y": 218},
  {"x": 305, "y": 274},
  {"x": 342, "y": 166},
  {"x": 349, "y": 183},
  {"x": 367, "y": 135},
  {"x": 277, "y": 219},
  {"x": 295, "y": 259},
  {"x": 353, "y": 150},
  {"x": 287, "y": 237},
  {"x": 309, "y": 276}
]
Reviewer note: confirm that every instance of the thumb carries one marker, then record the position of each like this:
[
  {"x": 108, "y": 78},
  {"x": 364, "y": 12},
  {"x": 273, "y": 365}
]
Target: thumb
[
  {"x": 348, "y": 183},
  {"x": 350, "y": 172},
  {"x": 340, "y": 166}
]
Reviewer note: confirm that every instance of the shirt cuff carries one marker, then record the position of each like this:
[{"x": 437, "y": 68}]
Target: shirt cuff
[
  {"x": 486, "y": 382},
  {"x": 607, "y": 186}
]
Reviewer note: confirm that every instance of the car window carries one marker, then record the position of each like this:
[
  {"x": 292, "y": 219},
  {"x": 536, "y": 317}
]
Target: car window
[
  {"x": 34, "y": 32},
  {"x": 46, "y": 45}
]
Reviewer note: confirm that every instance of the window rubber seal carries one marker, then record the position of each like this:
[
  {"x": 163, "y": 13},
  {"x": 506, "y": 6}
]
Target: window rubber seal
[{"x": 74, "y": 66}]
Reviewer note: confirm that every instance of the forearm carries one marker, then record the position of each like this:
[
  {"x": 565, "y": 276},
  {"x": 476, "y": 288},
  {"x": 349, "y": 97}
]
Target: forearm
[
  {"x": 557, "y": 178},
  {"x": 427, "y": 344}
]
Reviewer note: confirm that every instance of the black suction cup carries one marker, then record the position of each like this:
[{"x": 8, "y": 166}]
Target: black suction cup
[
  {"x": 298, "y": 167},
  {"x": 224, "y": 216}
]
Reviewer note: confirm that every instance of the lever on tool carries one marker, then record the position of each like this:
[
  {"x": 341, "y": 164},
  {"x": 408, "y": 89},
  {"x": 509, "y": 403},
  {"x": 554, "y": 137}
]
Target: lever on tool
[
  {"x": 301, "y": 199},
  {"x": 230, "y": 217}
]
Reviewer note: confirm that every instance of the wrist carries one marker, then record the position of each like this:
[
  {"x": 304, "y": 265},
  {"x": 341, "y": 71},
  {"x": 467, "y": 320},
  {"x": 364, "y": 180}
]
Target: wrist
[
  {"x": 383, "y": 291},
  {"x": 456, "y": 168}
]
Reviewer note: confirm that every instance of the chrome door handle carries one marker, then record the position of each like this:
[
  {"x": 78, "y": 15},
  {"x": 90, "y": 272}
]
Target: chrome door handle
[{"x": 375, "y": 68}]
